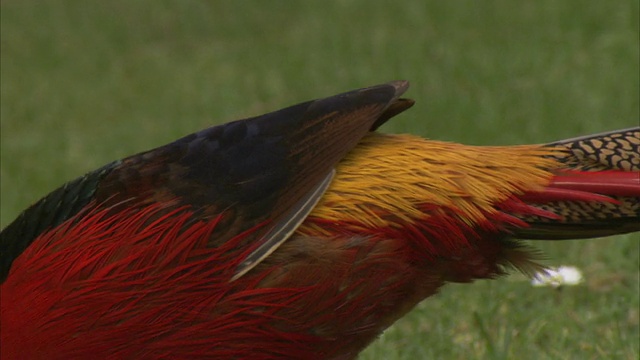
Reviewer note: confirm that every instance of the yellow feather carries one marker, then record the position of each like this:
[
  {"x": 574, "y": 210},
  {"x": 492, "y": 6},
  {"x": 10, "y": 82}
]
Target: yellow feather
[{"x": 385, "y": 180}]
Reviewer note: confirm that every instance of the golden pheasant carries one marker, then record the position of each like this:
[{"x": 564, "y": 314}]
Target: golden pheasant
[{"x": 297, "y": 234}]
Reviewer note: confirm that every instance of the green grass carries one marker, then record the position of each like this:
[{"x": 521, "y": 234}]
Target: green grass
[{"x": 86, "y": 82}]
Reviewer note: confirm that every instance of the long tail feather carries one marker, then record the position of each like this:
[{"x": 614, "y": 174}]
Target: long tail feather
[
  {"x": 596, "y": 194},
  {"x": 615, "y": 150}
]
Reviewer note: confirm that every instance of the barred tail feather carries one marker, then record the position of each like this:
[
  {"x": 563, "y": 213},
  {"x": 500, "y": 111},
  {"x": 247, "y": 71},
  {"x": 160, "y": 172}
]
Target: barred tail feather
[{"x": 595, "y": 193}]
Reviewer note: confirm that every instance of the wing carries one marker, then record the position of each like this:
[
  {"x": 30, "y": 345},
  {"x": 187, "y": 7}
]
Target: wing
[{"x": 263, "y": 173}]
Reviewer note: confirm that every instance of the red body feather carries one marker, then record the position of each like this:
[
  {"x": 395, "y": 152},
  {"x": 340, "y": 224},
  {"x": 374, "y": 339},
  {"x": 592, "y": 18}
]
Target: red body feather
[{"x": 116, "y": 276}]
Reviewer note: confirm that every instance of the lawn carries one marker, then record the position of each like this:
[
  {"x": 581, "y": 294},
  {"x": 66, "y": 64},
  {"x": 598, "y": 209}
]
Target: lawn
[{"x": 87, "y": 82}]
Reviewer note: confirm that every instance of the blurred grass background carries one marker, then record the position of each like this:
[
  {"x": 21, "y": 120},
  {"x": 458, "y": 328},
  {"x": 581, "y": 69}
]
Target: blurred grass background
[{"x": 87, "y": 82}]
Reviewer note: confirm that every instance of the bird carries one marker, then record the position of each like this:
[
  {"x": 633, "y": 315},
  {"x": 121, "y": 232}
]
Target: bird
[{"x": 302, "y": 233}]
